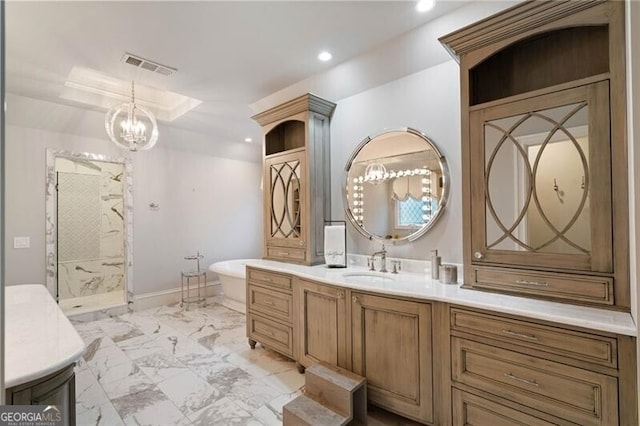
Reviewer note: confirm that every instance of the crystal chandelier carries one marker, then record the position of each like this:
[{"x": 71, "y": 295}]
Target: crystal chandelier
[
  {"x": 126, "y": 128},
  {"x": 375, "y": 173}
]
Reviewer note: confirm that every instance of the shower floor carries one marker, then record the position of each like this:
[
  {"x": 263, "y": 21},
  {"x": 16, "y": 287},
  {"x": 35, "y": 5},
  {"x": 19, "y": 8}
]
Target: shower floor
[{"x": 95, "y": 302}]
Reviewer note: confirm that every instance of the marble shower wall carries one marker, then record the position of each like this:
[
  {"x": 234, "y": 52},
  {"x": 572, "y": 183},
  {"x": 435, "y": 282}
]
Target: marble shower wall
[{"x": 90, "y": 216}]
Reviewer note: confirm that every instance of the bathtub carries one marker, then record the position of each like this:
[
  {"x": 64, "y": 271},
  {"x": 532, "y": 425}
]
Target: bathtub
[{"x": 232, "y": 277}]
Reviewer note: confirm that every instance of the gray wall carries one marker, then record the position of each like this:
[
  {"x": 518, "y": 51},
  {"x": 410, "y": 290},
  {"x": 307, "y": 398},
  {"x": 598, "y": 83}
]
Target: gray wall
[
  {"x": 207, "y": 202},
  {"x": 428, "y": 101},
  {"x": 633, "y": 110}
]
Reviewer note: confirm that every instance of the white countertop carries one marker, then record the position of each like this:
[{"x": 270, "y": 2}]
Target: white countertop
[
  {"x": 39, "y": 339},
  {"x": 421, "y": 286}
]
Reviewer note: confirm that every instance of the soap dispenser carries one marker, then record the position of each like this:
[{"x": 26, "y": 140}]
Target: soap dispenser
[{"x": 436, "y": 261}]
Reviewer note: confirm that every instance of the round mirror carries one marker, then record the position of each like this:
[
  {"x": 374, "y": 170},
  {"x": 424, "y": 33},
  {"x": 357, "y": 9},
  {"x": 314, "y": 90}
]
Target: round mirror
[{"x": 396, "y": 186}]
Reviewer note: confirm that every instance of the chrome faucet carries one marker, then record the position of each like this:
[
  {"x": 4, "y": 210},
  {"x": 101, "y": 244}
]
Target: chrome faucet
[{"x": 383, "y": 260}]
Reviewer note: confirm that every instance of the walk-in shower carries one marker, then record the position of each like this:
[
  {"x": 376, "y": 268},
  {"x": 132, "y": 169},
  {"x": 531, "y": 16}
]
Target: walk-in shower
[{"x": 88, "y": 228}]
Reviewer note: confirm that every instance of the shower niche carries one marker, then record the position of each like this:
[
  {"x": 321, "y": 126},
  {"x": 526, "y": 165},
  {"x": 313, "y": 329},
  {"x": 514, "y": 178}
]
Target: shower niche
[{"x": 87, "y": 228}]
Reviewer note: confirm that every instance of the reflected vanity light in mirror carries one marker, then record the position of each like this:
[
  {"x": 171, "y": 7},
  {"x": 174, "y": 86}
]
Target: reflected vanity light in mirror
[{"x": 396, "y": 186}]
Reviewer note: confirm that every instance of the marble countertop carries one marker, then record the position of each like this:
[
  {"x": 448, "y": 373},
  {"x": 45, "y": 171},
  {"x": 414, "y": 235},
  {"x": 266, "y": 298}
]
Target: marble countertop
[
  {"x": 421, "y": 286},
  {"x": 39, "y": 339}
]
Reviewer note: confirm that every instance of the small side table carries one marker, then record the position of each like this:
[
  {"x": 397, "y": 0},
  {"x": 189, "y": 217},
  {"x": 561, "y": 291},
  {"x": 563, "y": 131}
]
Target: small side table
[{"x": 200, "y": 279}]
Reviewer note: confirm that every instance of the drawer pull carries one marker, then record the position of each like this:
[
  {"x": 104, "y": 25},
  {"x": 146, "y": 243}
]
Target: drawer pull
[
  {"x": 284, "y": 253},
  {"x": 520, "y": 379},
  {"x": 536, "y": 283},
  {"x": 267, "y": 279},
  {"x": 268, "y": 302},
  {"x": 521, "y": 335}
]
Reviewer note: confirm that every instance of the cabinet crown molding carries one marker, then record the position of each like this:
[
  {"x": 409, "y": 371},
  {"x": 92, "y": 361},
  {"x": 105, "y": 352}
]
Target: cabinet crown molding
[
  {"x": 519, "y": 19},
  {"x": 306, "y": 102}
]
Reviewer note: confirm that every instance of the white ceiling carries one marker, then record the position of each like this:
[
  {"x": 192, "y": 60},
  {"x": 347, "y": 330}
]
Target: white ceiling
[{"x": 228, "y": 54}]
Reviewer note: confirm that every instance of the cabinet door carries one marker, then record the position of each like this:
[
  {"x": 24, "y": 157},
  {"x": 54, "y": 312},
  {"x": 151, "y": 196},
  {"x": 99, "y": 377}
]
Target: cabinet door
[
  {"x": 285, "y": 218},
  {"x": 392, "y": 348},
  {"x": 541, "y": 181},
  {"x": 321, "y": 324}
]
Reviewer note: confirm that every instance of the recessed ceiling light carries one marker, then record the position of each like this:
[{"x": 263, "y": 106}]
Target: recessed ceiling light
[
  {"x": 425, "y": 5},
  {"x": 325, "y": 56},
  {"x": 248, "y": 140}
]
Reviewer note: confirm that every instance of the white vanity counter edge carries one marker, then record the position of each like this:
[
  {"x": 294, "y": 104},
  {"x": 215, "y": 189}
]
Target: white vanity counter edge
[
  {"x": 39, "y": 339},
  {"x": 421, "y": 286}
]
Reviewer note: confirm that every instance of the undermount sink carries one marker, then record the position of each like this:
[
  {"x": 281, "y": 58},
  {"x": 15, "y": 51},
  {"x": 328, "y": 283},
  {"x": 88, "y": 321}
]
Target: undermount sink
[{"x": 368, "y": 277}]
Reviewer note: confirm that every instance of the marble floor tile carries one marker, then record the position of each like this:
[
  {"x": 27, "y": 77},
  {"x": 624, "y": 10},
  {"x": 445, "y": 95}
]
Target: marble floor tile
[
  {"x": 130, "y": 384},
  {"x": 113, "y": 369},
  {"x": 138, "y": 347},
  {"x": 148, "y": 407},
  {"x": 189, "y": 392},
  {"x": 260, "y": 362},
  {"x": 159, "y": 366},
  {"x": 101, "y": 415},
  {"x": 268, "y": 416},
  {"x": 210, "y": 367},
  {"x": 91, "y": 331},
  {"x": 223, "y": 412},
  {"x": 119, "y": 330},
  {"x": 285, "y": 382},
  {"x": 170, "y": 366},
  {"x": 179, "y": 345},
  {"x": 251, "y": 393},
  {"x": 89, "y": 393}
]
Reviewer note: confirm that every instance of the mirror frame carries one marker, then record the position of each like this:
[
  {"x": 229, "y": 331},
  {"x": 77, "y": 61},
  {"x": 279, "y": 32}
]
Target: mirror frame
[{"x": 443, "y": 202}]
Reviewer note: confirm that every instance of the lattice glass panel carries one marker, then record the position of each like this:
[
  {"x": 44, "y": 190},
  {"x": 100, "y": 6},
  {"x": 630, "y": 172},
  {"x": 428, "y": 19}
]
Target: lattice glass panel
[
  {"x": 285, "y": 199},
  {"x": 537, "y": 181}
]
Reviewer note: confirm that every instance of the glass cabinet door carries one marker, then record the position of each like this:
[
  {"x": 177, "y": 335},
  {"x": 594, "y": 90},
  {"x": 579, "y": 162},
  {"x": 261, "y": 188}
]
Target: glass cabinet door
[
  {"x": 284, "y": 219},
  {"x": 541, "y": 181}
]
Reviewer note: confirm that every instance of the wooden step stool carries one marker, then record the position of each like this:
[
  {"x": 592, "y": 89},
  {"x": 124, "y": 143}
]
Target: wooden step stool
[{"x": 332, "y": 396}]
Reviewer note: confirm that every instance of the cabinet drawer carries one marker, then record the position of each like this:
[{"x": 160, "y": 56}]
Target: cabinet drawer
[
  {"x": 284, "y": 253},
  {"x": 472, "y": 410},
  {"x": 270, "y": 333},
  {"x": 271, "y": 303},
  {"x": 570, "y": 393},
  {"x": 597, "y": 290},
  {"x": 581, "y": 346},
  {"x": 270, "y": 278}
]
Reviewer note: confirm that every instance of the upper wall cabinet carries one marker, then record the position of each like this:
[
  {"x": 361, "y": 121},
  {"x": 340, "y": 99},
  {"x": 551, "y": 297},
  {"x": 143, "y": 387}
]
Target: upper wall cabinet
[
  {"x": 544, "y": 151},
  {"x": 296, "y": 176}
]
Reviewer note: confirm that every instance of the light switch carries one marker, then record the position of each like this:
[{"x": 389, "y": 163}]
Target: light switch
[{"x": 21, "y": 242}]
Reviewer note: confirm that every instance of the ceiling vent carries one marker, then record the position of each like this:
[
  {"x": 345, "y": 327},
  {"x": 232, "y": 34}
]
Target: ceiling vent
[{"x": 139, "y": 62}]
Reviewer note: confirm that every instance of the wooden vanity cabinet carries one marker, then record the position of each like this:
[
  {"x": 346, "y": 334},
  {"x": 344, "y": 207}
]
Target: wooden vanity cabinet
[
  {"x": 270, "y": 310},
  {"x": 544, "y": 167},
  {"x": 539, "y": 373},
  {"x": 392, "y": 347},
  {"x": 296, "y": 179},
  {"x": 321, "y": 315},
  {"x": 55, "y": 389}
]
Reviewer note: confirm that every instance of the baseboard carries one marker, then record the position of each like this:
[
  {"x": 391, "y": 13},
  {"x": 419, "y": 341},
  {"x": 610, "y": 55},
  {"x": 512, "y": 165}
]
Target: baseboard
[{"x": 168, "y": 297}]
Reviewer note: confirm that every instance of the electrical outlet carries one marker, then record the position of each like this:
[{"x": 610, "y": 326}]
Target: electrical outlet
[{"x": 21, "y": 242}]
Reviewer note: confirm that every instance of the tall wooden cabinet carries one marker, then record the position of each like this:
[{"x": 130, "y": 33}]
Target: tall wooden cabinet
[
  {"x": 296, "y": 179},
  {"x": 544, "y": 152}
]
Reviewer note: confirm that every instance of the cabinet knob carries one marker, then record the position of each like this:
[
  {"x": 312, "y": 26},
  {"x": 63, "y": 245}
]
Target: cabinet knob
[
  {"x": 478, "y": 255},
  {"x": 301, "y": 242},
  {"x": 341, "y": 295},
  {"x": 355, "y": 299}
]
